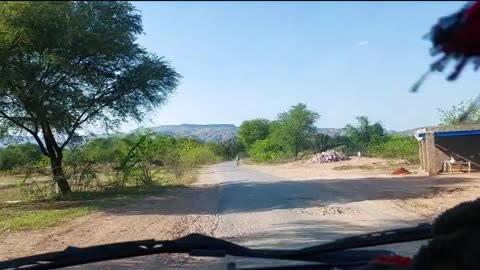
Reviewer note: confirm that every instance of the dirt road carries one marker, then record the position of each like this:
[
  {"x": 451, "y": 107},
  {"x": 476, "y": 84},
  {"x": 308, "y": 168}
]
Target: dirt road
[{"x": 243, "y": 205}]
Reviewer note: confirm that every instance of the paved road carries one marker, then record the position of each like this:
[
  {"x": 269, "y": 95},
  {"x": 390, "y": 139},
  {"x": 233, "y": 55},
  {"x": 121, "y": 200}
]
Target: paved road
[{"x": 259, "y": 210}]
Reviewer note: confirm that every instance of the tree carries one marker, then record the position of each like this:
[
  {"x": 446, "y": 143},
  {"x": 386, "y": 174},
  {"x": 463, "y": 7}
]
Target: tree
[
  {"x": 467, "y": 112},
  {"x": 320, "y": 142},
  {"x": 365, "y": 133},
  {"x": 254, "y": 130},
  {"x": 296, "y": 127},
  {"x": 71, "y": 66}
]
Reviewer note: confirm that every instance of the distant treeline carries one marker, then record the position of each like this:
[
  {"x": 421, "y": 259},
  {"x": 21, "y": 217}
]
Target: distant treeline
[
  {"x": 293, "y": 134},
  {"x": 175, "y": 154},
  {"x": 290, "y": 136}
]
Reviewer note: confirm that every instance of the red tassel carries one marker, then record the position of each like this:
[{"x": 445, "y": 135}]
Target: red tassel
[{"x": 403, "y": 261}]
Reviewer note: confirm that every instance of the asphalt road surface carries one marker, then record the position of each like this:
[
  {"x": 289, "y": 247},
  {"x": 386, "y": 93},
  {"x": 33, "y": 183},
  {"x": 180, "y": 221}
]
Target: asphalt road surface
[{"x": 262, "y": 211}]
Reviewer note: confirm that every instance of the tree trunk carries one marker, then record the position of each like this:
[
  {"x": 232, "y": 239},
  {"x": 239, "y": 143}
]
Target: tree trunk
[
  {"x": 59, "y": 175},
  {"x": 54, "y": 152}
]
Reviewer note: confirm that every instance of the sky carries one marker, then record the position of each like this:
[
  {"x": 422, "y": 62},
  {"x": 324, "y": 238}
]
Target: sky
[{"x": 246, "y": 60}]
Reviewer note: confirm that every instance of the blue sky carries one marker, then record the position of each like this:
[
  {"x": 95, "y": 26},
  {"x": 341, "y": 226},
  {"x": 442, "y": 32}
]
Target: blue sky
[{"x": 244, "y": 60}]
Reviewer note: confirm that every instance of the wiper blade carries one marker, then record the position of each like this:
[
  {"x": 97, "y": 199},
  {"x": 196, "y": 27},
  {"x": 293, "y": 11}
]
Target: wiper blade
[
  {"x": 76, "y": 256},
  {"x": 420, "y": 232},
  {"x": 201, "y": 245}
]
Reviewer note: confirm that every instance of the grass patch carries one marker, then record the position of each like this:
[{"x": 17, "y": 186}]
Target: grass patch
[
  {"x": 36, "y": 215},
  {"x": 9, "y": 193},
  {"x": 39, "y": 215},
  {"x": 19, "y": 220}
]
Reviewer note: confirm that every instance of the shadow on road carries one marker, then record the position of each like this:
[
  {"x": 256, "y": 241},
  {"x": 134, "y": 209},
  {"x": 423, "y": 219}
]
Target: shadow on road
[{"x": 245, "y": 196}]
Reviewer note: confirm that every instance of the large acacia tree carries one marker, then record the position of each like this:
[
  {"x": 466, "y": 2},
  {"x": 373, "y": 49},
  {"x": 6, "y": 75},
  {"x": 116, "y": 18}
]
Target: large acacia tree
[
  {"x": 295, "y": 127},
  {"x": 67, "y": 66}
]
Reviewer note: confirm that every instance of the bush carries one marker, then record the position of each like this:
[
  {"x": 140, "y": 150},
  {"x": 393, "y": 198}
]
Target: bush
[
  {"x": 397, "y": 146},
  {"x": 115, "y": 162},
  {"x": 104, "y": 150},
  {"x": 36, "y": 190},
  {"x": 268, "y": 150},
  {"x": 19, "y": 156}
]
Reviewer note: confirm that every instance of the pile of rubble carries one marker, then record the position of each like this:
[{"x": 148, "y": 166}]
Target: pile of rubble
[
  {"x": 323, "y": 211},
  {"x": 327, "y": 156}
]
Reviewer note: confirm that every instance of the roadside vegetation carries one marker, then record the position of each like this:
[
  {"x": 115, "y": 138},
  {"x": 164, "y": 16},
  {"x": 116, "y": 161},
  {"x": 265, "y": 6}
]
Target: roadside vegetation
[
  {"x": 101, "y": 172},
  {"x": 69, "y": 69},
  {"x": 293, "y": 135},
  {"x": 467, "y": 112}
]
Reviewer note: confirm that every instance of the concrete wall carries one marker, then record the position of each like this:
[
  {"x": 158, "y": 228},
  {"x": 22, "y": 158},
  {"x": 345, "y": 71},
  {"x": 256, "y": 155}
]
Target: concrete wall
[{"x": 431, "y": 155}]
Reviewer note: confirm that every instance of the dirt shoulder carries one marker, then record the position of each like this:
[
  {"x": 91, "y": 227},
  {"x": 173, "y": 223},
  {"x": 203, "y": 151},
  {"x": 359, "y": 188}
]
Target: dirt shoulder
[
  {"x": 168, "y": 216},
  {"x": 370, "y": 180}
]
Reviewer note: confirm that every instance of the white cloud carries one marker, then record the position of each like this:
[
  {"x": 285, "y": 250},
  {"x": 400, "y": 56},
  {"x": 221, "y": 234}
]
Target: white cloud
[{"x": 361, "y": 43}]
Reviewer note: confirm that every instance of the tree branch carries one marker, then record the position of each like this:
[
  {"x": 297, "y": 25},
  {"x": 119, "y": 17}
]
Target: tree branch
[
  {"x": 34, "y": 133},
  {"x": 80, "y": 121},
  {"x": 11, "y": 119}
]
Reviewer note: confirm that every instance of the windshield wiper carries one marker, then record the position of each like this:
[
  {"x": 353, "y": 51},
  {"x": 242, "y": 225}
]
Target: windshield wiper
[
  {"x": 420, "y": 232},
  {"x": 337, "y": 251}
]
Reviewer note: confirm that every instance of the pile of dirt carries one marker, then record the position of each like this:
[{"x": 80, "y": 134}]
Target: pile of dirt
[
  {"x": 327, "y": 156},
  {"x": 401, "y": 171}
]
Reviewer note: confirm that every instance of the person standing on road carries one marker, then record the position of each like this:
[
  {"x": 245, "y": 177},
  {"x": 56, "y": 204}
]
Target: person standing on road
[{"x": 237, "y": 158}]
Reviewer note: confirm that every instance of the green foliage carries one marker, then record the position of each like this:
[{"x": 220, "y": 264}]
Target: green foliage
[
  {"x": 292, "y": 132},
  {"x": 467, "y": 112},
  {"x": 251, "y": 131},
  {"x": 365, "y": 133},
  {"x": 397, "y": 146},
  {"x": 103, "y": 150},
  {"x": 36, "y": 191},
  {"x": 345, "y": 144},
  {"x": 188, "y": 154},
  {"x": 267, "y": 150},
  {"x": 73, "y": 65},
  {"x": 227, "y": 149},
  {"x": 19, "y": 156},
  {"x": 296, "y": 127}
]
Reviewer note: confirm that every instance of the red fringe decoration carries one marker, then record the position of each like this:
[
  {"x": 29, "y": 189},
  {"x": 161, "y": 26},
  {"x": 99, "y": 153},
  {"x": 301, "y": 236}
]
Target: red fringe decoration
[{"x": 457, "y": 37}]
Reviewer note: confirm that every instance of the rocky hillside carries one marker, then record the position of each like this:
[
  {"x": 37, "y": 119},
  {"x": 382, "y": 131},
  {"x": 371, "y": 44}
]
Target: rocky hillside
[{"x": 214, "y": 132}]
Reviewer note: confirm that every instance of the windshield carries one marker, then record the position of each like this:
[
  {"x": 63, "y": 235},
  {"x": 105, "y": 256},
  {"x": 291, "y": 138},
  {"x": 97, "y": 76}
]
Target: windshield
[{"x": 271, "y": 125}]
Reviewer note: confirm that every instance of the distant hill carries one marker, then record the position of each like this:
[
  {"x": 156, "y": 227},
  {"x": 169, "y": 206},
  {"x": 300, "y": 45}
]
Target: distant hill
[
  {"x": 213, "y": 132},
  {"x": 207, "y": 133},
  {"x": 341, "y": 131}
]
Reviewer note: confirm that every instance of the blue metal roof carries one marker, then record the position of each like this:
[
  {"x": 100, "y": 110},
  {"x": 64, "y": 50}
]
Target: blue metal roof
[{"x": 453, "y": 133}]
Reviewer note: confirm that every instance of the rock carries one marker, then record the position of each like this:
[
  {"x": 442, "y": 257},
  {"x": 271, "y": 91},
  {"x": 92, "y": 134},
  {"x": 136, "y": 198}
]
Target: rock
[{"x": 327, "y": 156}]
